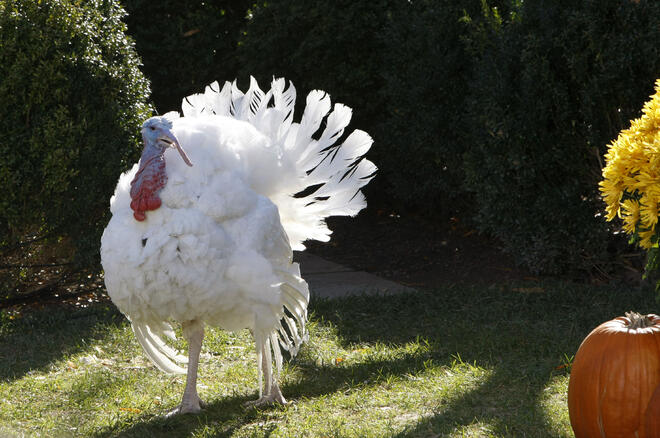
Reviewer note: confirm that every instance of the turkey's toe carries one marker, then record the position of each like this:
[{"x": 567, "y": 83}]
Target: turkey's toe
[
  {"x": 192, "y": 407},
  {"x": 262, "y": 401},
  {"x": 183, "y": 409},
  {"x": 275, "y": 397}
]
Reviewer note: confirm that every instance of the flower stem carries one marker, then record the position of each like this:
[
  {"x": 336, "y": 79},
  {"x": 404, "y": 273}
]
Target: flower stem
[{"x": 638, "y": 321}]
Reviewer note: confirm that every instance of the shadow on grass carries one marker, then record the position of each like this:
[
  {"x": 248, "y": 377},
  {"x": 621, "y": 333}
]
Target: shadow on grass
[
  {"x": 519, "y": 334},
  {"x": 224, "y": 415},
  {"x": 41, "y": 337}
]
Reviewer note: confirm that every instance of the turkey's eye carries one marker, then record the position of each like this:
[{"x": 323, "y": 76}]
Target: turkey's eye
[{"x": 153, "y": 128}]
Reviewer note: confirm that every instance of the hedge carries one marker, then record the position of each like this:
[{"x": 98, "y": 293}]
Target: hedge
[
  {"x": 72, "y": 101},
  {"x": 185, "y": 45},
  {"x": 426, "y": 68},
  {"x": 548, "y": 94}
]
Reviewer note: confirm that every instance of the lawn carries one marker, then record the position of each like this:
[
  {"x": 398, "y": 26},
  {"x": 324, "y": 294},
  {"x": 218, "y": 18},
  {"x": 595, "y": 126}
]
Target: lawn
[{"x": 458, "y": 361}]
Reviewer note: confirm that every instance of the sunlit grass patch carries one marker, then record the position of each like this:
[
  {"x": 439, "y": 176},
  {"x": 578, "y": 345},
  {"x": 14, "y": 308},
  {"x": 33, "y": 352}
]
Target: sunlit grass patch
[{"x": 553, "y": 404}]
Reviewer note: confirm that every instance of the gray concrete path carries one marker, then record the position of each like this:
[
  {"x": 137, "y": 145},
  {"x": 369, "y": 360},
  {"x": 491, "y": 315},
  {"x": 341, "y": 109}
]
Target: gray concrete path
[{"x": 330, "y": 280}]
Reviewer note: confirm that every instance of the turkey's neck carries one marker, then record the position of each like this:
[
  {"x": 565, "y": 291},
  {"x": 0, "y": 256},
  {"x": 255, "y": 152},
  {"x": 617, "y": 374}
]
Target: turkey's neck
[{"x": 149, "y": 180}]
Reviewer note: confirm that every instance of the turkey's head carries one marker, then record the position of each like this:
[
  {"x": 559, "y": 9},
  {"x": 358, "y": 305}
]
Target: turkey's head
[
  {"x": 151, "y": 176},
  {"x": 157, "y": 135}
]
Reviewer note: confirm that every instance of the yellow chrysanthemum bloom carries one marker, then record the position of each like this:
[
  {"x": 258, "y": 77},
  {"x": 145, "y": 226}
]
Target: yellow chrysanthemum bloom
[
  {"x": 631, "y": 176},
  {"x": 630, "y": 214}
]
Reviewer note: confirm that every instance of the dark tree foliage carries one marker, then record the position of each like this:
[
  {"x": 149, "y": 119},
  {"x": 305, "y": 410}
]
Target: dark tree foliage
[
  {"x": 551, "y": 89},
  {"x": 73, "y": 99},
  {"x": 319, "y": 44},
  {"x": 426, "y": 69},
  {"x": 185, "y": 45}
]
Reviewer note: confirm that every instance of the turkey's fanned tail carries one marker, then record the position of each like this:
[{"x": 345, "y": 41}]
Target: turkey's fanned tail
[
  {"x": 326, "y": 174},
  {"x": 161, "y": 354}
]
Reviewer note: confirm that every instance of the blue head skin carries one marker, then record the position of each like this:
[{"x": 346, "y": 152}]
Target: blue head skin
[{"x": 157, "y": 137}]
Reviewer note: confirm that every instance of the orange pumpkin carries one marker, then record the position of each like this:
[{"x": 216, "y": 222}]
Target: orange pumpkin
[
  {"x": 652, "y": 416},
  {"x": 614, "y": 374}
]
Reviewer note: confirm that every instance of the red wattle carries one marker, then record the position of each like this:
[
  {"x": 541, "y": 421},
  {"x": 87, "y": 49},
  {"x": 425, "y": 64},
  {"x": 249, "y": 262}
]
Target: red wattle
[{"x": 149, "y": 180}]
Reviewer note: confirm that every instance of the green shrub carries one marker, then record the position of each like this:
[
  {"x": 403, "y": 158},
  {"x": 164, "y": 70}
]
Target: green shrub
[
  {"x": 73, "y": 99},
  {"x": 319, "y": 44},
  {"x": 551, "y": 90},
  {"x": 185, "y": 45},
  {"x": 427, "y": 69}
]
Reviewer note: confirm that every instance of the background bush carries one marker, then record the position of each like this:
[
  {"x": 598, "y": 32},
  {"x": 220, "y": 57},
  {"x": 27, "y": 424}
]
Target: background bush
[
  {"x": 497, "y": 111},
  {"x": 419, "y": 132},
  {"x": 72, "y": 101},
  {"x": 185, "y": 45},
  {"x": 549, "y": 93}
]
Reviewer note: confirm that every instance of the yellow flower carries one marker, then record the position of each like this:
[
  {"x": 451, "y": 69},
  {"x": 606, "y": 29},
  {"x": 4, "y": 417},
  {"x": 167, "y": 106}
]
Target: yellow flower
[
  {"x": 612, "y": 193},
  {"x": 645, "y": 237},
  {"x": 649, "y": 211},
  {"x": 632, "y": 173},
  {"x": 630, "y": 215}
]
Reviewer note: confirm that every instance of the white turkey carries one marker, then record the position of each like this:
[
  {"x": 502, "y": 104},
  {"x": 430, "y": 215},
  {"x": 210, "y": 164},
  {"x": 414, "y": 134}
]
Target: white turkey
[{"x": 203, "y": 226}]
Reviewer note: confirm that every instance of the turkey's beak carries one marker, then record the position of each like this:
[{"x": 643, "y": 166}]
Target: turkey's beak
[{"x": 169, "y": 138}]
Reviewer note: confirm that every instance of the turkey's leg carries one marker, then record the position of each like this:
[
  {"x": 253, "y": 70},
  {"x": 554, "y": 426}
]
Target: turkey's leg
[
  {"x": 191, "y": 403},
  {"x": 272, "y": 393}
]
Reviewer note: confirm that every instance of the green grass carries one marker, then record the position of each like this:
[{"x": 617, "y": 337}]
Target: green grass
[{"x": 485, "y": 362}]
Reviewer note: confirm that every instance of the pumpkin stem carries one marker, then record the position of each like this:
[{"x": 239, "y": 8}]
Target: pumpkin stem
[{"x": 638, "y": 321}]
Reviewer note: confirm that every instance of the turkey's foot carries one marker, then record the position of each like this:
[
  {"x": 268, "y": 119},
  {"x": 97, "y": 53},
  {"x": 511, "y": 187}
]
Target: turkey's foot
[
  {"x": 194, "y": 406},
  {"x": 275, "y": 397}
]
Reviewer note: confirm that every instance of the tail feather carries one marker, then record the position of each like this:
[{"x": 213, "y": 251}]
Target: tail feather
[
  {"x": 277, "y": 353},
  {"x": 338, "y": 170},
  {"x": 285, "y": 102},
  {"x": 317, "y": 151},
  {"x": 161, "y": 354},
  {"x": 318, "y": 106},
  {"x": 292, "y": 331},
  {"x": 218, "y": 99}
]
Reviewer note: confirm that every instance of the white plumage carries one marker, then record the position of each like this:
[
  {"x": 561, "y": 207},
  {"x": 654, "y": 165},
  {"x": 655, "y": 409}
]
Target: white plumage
[{"x": 212, "y": 242}]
